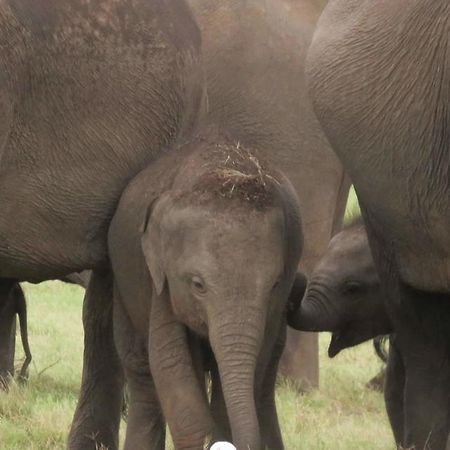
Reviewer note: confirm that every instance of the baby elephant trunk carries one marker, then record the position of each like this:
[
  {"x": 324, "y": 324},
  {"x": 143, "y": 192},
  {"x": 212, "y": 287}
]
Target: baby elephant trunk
[
  {"x": 314, "y": 314},
  {"x": 236, "y": 345}
]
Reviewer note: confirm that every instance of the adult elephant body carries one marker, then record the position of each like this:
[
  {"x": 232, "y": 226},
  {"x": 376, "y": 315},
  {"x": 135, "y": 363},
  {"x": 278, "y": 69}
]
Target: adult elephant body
[
  {"x": 254, "y": 55},
  {"x": 379, "y": 78},
  {"x": 90, "y": 92}
]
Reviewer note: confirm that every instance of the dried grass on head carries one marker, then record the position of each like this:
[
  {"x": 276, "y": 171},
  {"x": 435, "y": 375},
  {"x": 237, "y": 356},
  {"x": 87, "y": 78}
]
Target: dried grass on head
[{"x": 233, "y": 172}]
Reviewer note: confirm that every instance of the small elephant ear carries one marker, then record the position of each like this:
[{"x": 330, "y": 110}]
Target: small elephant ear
[
  {"x": 297, "y": 292},
  {"x": 151, "y": 242}
]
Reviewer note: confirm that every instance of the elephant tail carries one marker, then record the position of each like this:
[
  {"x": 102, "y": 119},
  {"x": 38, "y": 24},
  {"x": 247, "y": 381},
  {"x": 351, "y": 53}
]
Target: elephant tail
[
  {"x": 21, "y": 308},
  {"x": 379, "y": 344}
]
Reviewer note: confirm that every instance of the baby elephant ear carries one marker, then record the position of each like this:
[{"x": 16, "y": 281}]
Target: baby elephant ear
[
  {"x": 151, "y": 243},
  {"x": 297, "y": 292}
]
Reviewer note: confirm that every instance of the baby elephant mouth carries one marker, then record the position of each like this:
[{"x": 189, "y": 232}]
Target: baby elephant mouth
[
  {"x": 344, "y": 338},
  {"x": 335, "y": 345}
]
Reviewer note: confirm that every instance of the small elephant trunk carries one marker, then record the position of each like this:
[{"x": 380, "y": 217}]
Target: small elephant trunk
[
  {"x": 236, "y": 347},
  {"x": 312, "y": 316}
]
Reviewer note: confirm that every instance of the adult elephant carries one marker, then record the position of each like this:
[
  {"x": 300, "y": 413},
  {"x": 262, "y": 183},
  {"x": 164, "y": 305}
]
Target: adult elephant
[
  {"x": 379, "y": 75},
  {"x": 90, "y": 93},
  {"x": 254, "y": 55}
]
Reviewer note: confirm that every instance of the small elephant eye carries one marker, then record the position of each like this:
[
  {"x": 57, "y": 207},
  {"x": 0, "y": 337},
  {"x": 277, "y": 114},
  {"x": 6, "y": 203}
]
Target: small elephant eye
[
  {"x": 198, "y": 285},
  {"x": 352, "y": 288}
]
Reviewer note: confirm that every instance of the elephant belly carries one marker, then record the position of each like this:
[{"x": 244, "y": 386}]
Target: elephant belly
[
  {"x": 423, "y": 259},
  {"x": 426, "y": 272},
  {"x": 54, "y": 221}
]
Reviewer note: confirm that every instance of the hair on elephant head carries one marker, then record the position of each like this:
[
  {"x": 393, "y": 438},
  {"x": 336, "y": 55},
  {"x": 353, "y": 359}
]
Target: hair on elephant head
[
  {"x": 344, "y": 293},
  {"x": 221, "y": 242}
]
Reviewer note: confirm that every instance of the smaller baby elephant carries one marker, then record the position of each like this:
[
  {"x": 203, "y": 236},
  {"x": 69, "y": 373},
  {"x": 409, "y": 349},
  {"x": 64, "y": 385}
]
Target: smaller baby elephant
[
  {"x": 344, "y": 293},
  {"x": 344, "y": 297},
  {"x": 204, "y": 246}
]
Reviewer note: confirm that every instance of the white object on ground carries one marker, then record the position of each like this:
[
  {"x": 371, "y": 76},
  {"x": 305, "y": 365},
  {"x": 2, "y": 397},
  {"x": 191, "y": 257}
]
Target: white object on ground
[{"x": 223, "y": 446}]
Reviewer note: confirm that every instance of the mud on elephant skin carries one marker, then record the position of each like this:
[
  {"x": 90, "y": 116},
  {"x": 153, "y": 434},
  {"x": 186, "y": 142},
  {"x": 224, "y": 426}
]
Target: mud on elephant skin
[
  {"x": 90, "y": 93},
  {"x": 207, "y": 239}
]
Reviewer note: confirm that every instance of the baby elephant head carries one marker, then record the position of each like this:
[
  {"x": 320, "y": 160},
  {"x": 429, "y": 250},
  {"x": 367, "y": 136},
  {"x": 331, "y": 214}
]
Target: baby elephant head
[
  {"x": 223, "y": 245},
  {"x": 344, "y": 293}
]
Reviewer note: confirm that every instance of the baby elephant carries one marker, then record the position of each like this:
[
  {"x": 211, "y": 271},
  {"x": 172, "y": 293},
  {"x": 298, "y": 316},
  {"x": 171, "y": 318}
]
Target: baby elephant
[
  {"x": 204, "y": 246},
  {"x": 344, "y": 293},
  {"x": 344, "y": 297}
]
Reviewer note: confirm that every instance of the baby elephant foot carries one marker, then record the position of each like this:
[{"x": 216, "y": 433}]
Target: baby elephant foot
[{"x": 90, "y": 434}]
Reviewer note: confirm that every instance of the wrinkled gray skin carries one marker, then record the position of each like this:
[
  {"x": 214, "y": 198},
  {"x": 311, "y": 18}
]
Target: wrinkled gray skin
[
  {"x": 379, "y": 74},
  {"x": 207, "y": 240},
  {"x": 344, "y": 293},
  {"x": 254, "y": 55},
  {"x": 13, "y": 303},
  {"x": 90, "y": 92},
  {"x": 344, "y": 297}
]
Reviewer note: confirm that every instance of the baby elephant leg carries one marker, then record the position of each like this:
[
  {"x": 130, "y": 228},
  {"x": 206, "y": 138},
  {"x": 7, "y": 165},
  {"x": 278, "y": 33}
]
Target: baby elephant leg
[
  {"x": 146, "y": 425},
  {"x": 267, "y": 410}
]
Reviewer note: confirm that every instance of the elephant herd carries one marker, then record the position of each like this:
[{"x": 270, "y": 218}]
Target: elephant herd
[{"x": 185, "y": 153}]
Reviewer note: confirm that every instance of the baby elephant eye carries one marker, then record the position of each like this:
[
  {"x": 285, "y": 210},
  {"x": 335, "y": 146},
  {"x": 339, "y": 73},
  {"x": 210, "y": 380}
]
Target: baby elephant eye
[
  {"x": 198, "y": 285},
  {"x": 352, "y": 288}
]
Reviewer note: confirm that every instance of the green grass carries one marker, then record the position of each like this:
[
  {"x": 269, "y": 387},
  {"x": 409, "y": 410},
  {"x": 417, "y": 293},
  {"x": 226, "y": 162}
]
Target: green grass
[
  {"x": 352, "y": 210},
  {"x": 342, "y": 415}
]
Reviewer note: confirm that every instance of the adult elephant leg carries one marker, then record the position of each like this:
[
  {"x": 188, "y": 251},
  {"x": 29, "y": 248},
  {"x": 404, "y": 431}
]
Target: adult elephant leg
[
  {"x": 97, "y": 416},
  {"x": 422, "y": 337},
  {"x": 265, "y": 401},
  {"x": 7, "y": 331},
  {"x": 427, "y": 391},
  {"x": 182, "y": 398},
  {"x": 146, "y": 428},
  {"x": 394, "y": 390}
]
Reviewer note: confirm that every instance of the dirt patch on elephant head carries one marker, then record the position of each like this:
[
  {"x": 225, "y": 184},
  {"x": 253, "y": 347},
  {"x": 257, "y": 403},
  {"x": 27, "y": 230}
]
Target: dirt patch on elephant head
[{"x": 234, "y": 172}]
